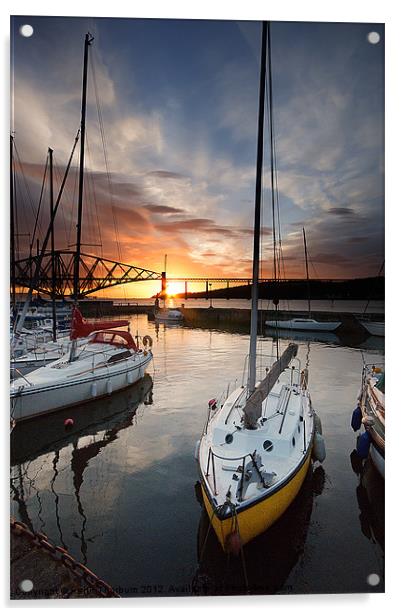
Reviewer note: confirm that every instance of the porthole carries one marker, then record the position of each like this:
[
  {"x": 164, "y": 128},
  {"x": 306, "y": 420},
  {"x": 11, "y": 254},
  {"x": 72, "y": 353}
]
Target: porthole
[
  {"x": 229, "y": 438},
  {"x": 267, "y": 445}
]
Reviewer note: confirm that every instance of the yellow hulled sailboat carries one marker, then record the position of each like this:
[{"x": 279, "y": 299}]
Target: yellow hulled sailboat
[{"x": 257, "y": 446}]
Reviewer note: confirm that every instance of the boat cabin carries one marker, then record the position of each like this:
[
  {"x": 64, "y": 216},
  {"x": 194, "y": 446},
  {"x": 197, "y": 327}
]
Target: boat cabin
[{"x": 120, "y": 339}]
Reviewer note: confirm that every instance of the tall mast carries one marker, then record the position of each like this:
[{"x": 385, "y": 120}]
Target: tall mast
[
  {"x": 307, "y": 270},
  {"x": 12, "y": 223},
  {"x": 258, "y": 196},
  {"x": 88, "y": 41},
  {"x": 53, "y": 291}
]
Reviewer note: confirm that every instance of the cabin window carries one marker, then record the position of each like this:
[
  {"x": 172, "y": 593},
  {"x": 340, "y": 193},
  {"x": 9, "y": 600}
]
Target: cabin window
[
  {"x": 293, "y": 441},
  {"x": 119, "y": 356},
  {"x": 267, "y": 445}
]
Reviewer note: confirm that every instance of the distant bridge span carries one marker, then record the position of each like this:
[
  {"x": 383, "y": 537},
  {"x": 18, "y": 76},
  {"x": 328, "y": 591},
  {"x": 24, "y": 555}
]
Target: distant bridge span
[{"x": 98, "y": 273}]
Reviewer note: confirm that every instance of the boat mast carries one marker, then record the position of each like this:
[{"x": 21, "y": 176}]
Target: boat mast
[
  {"x": 88, "y": 40},
  {"x": 307, "y": 271},
  {"x": 256, "y": 236},
  {"x": 53, "y": 290},
  {"x": 12, "y": 223}
]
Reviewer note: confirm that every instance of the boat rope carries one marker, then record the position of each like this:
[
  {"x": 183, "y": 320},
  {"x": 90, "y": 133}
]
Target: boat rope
[{"x": 60, "y": 555}]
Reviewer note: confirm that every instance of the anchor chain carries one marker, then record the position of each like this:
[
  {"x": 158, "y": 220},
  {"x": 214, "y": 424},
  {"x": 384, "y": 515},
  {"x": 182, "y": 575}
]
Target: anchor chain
[{"x": 60, "y": 555}]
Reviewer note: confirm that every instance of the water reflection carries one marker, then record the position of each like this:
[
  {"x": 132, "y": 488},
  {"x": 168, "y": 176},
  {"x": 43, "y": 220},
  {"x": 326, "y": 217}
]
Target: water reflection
[
  {"x": 268, "y": 560},
  {"x": 370, "y": 497},
  {"x": 96, "y": 425}
]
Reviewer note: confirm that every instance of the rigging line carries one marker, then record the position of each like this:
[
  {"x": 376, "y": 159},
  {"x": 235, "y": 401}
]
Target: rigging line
[
  {"x": 58, "y": 180},
  {"x": 270, "y": 84},
  {"x": 25, "y": 182},
  {"x": 92, "y": 181},
  {"x": 39, "y": 206},
  {"x": 72, "y": 206},
  {"x": 380, "y": 271},
  {"x": 103, "y": 137}
]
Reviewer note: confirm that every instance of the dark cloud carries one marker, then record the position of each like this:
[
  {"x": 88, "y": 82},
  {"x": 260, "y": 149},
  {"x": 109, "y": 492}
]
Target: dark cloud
[
  {"x": 168, "y": 175},
  {"x": 162, "y": 209},
  {"x": 342, "y": 211}
]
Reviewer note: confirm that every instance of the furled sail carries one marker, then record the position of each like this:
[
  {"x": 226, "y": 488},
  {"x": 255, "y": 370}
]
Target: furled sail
[
  {"x": 80, "y": 327},
  {"x": 253, "y": 406}
]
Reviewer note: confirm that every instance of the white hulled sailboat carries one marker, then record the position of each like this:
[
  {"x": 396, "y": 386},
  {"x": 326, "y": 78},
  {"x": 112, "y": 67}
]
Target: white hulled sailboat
[{"x": 110, "y": 360}]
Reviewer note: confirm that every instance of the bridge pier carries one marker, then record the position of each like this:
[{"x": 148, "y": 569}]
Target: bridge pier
[
  {"x": 207, "y": 290},
  {"x": 164, "y": 285},
  {"x": 228, "y": 288},
  {"x": 186, "y": 290}
]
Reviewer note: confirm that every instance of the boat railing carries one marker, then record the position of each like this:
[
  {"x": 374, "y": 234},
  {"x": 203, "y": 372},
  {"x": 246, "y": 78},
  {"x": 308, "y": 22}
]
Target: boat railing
[{"x": 241, "y": 468}]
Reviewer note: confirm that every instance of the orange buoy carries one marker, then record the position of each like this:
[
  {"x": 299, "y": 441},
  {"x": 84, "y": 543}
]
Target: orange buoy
[
  {"x": 233, "y": 543},
  {"x": 68, "y": 423}
]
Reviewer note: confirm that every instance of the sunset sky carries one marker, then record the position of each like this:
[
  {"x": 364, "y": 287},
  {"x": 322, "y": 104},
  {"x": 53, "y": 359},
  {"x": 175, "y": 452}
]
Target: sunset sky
[{"x": 179, "y": 109}]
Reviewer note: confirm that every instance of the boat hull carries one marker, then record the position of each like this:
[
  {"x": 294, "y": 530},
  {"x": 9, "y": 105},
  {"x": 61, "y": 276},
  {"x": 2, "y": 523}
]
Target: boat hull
[
  {"x": 305, "y": 325},
  {"x": 375, "y": 328},
  {"x": 257, "y": 517},
  {"x": 377, "y": 458},
  {"x": 40, "y": 400}
]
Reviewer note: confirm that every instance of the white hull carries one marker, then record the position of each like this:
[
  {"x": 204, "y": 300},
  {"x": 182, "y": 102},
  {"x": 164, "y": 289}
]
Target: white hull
[
  {"x": 377, "y": 459},
  {"x": 29, "y": 401},
  {"x": 44, "y": 354},
  {"x": 171, "y": 316},
  {"x": 305, "y": 325},
  {"x": 375, "y": 328}
]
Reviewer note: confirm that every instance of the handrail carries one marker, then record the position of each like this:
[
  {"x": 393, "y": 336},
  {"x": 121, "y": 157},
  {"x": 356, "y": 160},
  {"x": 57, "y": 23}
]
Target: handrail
[{"x": 212, "y": 455}]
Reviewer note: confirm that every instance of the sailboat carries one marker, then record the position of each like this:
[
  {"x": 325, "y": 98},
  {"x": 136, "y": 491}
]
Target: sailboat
[
  {"x": 305, "y": 324},
  {"x": 109, "y": 361},
  {"x": 257, "y": 446}
]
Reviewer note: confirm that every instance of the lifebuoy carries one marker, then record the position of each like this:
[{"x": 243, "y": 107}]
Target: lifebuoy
[{"x": 147, "y": 341}]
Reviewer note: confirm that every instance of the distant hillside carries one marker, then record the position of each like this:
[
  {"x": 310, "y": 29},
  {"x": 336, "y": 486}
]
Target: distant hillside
[{"x": 358, "y": 288}]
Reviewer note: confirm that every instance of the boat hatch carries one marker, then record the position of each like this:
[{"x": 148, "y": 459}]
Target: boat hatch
[
  {"x": 115, "y": 338},
  {"x": 119, "y": 356}
]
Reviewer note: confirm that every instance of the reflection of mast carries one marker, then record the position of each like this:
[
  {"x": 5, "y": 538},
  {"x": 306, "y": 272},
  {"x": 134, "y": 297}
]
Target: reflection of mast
[
  {"x": 79, "y": 461},
  {"x": 56, "y": 497},
  {"x": 19, "y": 498}
]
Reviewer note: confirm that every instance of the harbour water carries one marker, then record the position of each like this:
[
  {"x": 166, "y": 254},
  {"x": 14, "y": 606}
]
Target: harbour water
[{"x": 119, "y": 490}]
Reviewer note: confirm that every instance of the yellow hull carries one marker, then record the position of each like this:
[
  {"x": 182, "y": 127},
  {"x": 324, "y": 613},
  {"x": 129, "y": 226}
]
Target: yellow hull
[{"x": 258, "y": 517}]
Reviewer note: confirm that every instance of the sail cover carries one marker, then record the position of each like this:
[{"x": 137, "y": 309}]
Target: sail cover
[
  {"x": 253, "y": 406},
  {"x": 80, "y": 327}
]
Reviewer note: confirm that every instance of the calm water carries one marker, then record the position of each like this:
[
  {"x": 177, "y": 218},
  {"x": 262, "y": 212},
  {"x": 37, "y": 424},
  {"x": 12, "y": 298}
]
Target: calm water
[
  {"x": 340, "y": 305},
  {"x": 120, "y": 490}
]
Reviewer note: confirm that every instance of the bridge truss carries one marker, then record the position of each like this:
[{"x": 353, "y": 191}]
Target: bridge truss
[{"x": 96, "y": 273}]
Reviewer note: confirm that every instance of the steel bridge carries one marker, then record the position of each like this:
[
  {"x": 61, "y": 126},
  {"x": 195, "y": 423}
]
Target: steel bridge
[{"x": 98, "y": 273}]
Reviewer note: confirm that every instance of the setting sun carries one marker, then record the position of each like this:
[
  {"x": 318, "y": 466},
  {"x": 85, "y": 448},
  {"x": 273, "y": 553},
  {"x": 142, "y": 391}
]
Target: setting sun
[{"x": 173, "y": 288}]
